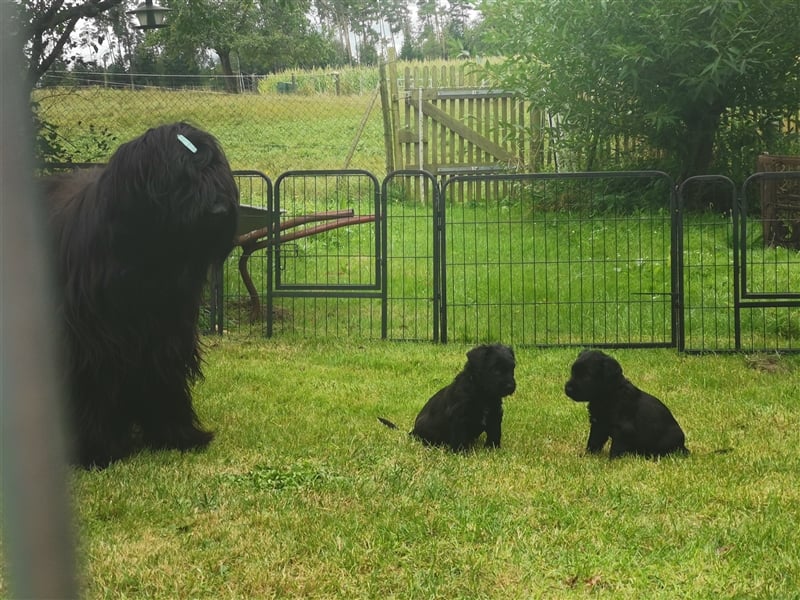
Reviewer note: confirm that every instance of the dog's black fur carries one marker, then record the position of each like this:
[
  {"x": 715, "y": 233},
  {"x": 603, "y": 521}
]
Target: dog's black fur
[
  {"x": 133, "y": 242},
  {"x": 636, "y": 422},
  {"x": 458, "y": 414}
]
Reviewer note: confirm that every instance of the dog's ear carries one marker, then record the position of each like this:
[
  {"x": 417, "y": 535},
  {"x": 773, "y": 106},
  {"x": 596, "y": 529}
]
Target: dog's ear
[
  {"x": 612, "y": 370},
  {"x": 476, "y": 355}
]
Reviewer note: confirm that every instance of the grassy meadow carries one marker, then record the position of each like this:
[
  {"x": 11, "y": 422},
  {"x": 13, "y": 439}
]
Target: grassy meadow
[
  {"x": 268, "y": 133},
  {"x": 303, "y": 494},
  {"x": 328, "y": 117}
]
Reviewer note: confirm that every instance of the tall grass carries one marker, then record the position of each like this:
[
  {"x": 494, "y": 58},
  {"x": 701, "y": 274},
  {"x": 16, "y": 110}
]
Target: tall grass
[
  {"x": 269, "y": 133},
  {"x": 345, "y": 81},
  {"x": 359, "y": 80}
]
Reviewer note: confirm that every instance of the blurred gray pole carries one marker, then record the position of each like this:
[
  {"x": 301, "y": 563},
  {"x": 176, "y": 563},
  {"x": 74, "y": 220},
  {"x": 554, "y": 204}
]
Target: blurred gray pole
[{"x": 37, "y": 523}]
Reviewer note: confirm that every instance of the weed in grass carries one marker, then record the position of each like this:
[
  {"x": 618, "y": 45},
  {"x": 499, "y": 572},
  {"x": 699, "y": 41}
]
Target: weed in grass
[{"x": 266, "y": 477}]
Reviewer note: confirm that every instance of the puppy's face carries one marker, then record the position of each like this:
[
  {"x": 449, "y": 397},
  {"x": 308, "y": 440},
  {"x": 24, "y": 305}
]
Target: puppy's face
[
  {"x": 492, "y": 367},
  {"x": 593, "y": 372}
]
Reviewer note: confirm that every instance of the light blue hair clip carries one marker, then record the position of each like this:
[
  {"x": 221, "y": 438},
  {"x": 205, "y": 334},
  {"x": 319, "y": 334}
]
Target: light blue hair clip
[{"x": 185, "y": 141}]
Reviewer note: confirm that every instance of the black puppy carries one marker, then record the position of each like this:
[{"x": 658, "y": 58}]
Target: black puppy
[
  {"x": 458, "y": 414},
  {"x": 636, "y": 422}
]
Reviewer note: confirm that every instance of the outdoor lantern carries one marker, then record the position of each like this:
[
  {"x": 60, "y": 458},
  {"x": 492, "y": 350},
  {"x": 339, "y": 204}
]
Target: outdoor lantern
[{"x": 149, "y": 15}]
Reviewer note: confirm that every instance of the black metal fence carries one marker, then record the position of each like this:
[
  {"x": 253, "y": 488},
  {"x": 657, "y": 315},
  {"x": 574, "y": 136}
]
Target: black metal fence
[{"x": 621, "y": 259}]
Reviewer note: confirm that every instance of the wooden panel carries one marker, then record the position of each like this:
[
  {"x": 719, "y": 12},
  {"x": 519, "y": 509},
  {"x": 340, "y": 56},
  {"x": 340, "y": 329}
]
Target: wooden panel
[
  {"x": 445, "y": 121},
  {"x": 480, "y": 141}
]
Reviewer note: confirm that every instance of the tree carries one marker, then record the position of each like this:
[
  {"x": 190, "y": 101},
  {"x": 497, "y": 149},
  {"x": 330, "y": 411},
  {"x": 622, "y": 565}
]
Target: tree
[
  {"x": 48, "y": 28},
  {"x": 442, "y": 29},
  {"x": 664, "y": 70},
  {"x": 198, "y": 25},
  {"x": 276, "y": 33},
  {"x": 261, "y": 35},
  {"x": 46, "y": 31},
  {"x": 362, "y": 26}
]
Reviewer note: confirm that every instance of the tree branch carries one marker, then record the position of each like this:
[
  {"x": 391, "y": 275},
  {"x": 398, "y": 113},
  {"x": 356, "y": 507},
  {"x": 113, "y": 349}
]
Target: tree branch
[
  {"x": 54, "y": 16},
  {"x": 42, "y": 63},
  {"x": 57, "y": 21}
]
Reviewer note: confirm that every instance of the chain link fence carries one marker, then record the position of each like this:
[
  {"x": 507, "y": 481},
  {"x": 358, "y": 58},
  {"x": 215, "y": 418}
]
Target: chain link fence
[{"x": 285, "y": 125}]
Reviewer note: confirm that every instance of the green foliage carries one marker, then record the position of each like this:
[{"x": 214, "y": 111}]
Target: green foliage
[
  {"x": 664, "y": 72},
  {"x": 52, "y": 146},
  {"x": 49, "y": 31},
  {"x": 267, "y": 477},
  {"x": 344, "y": 81},
  {"x": 248, "y": 36}
]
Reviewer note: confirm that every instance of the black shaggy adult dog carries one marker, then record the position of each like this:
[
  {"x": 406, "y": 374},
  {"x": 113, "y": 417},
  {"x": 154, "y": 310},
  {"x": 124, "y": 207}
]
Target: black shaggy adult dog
[
  {"x": 458, "y": 414},
  {"x": 636, "y": 422},
  {"x": 133, "y": 242}
]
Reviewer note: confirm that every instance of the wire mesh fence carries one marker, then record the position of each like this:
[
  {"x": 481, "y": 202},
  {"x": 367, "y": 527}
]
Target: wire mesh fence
[
  {"x": 561, "y": 260},
  {"x": 768, "y": 298},
  {"x": 600, "y": 259},
  {"x": 707, "y": 270},
  {"x": 327, "y": 276},
  {"x": 267, "y": 131},
  {"x": 413, "y": 263}
]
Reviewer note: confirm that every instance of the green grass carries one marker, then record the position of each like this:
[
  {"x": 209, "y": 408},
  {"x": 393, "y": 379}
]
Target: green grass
[
  {"x": 272, "y": 134},
  {"x": 543, "y": 279},
  {"x": 304, "y": 494}
]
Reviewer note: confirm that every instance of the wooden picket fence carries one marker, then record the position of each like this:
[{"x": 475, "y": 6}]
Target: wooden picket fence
[{"x": 447, "y": 121}]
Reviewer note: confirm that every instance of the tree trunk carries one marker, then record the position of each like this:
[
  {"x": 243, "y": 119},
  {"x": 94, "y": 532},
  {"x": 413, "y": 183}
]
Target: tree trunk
[
  {"x": 701, "y": 131},
  {"x": 698, "y": 155},
  {"x": 231, "y": 83}
]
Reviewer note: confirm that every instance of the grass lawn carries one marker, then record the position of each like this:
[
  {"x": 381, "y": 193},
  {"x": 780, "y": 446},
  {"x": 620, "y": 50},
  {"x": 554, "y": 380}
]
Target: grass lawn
[
  {"x": 304, "y": 494},
  {"x": 272, "y": 133}
]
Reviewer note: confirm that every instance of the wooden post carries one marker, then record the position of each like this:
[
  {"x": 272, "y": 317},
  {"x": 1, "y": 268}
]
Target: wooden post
[
  {"x": 394, "y": 103},
  {"x": 386, "y": 111}
]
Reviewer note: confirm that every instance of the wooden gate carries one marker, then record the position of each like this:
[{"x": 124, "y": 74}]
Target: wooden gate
[{"x": 446, "y": 121}]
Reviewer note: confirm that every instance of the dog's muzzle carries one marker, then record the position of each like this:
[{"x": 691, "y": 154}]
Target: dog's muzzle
[{"x": 570, "y": 391}]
